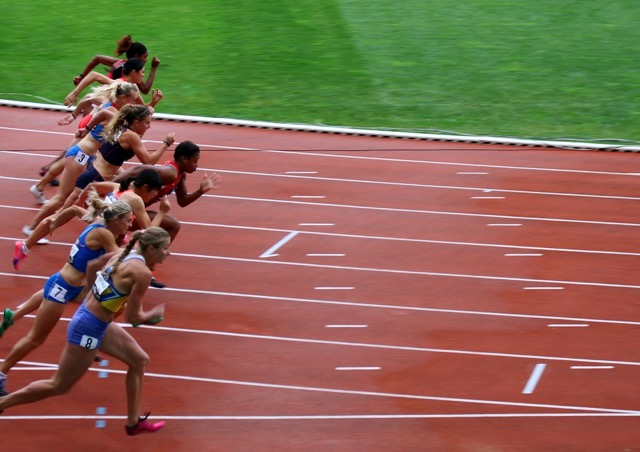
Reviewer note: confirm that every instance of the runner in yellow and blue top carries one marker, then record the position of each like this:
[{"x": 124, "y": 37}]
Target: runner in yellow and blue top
[{"x": 119, "y": 288}]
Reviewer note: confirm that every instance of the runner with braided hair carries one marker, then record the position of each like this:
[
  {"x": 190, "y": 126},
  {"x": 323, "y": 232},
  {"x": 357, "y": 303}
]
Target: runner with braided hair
[{"x": 119, "y": 287}]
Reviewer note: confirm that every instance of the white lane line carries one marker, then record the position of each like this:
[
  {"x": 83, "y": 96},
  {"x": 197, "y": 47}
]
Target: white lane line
[
  {"x": 504, "y": 224},
  {"x": 523, "y": 254},
  {"x": 543, "y": 288},
  {"x": 346, "y": 326},
  {"x": 568, "y": 325},
  {"x": 358, "y": 368},
  {"x": 307, "y": 197},
  {"x": 471, "y": 172},
  {"x": 534, "y": 379},
  {"x": 301, "y": 172},
  {"x": 287, "y": 418},
  {"x": 316, "y": 224},
  {"x": 369, "y": 269},
  {"x": 325, "y": 255},
  {"x": 270, "y": 251},
  {"x": 422, "y": 211},
  {"x": 591, "y": 367},
  {"x": 333, "y": 288},
  {"x": 488, "y": 197}
]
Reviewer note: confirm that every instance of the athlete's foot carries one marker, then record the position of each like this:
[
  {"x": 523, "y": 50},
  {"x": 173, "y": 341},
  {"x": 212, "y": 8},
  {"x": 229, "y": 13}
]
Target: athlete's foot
[
  {"x": 20, "y": 253},
  {"x": 157, "y": 284},
  {"x": 37, "y": 194},
  {"x": 143, "y": 426},
  {"x": 7, "y": 321},
  {"x": 3, "y": 383}
]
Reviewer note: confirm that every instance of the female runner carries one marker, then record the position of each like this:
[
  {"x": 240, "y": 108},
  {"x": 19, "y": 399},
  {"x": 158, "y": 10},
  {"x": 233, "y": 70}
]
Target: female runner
[{"x": 121, "y": 286}]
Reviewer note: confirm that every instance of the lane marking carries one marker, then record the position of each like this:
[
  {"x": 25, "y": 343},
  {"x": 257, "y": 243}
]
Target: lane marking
[
  {"x": 471, "y": 172},
  {"x": 346, "y": 326},
  {"x": 316, "y": 224},
  {"x": 591, "y": 367},
  {"x": 388, "y": 209},
  {"x": 373, "y": 270},
  {"x": 488, "y": 197},
  {"x": 343, "y": 156},
  {"x": 591, "y": 410},
  {"x": 568, "y": 325},
  {"x": 543, "y": 288},
  {"x": 504, "y": 224},
  {"x": 422, "y": 211},
  {"x": 270, "y": 251},
  {"x": 308, "y": 197},
  {"x": 403, "y": 239},
  {"x": 325, "y": 255},
  {"x": 72, "y": 417},
  {"x": 358, "y": 368},
  {"x": 333, "y": 288},
  {"x": 365, "y": 305},
  {"x": 523, "y": 255},
  {"x": 301, "y": 172},
  {"x": 534, "y": 378}
]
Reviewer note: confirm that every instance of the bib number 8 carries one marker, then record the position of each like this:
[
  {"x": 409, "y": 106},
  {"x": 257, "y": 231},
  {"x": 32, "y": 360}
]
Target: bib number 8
[{"x": 88, "y": 342}]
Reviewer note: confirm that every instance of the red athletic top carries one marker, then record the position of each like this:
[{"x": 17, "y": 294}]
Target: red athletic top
[{"x": 167, "y": 189}]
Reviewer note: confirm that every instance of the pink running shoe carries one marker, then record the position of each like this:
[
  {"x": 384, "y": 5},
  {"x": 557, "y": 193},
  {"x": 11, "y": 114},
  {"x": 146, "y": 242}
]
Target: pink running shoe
[
  {"x": 18, "y": 254},
  {"x": 144, "y": 426}
]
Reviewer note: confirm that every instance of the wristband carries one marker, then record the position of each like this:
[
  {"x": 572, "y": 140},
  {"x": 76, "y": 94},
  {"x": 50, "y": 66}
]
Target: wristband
[{"x": 166, "y": 142}]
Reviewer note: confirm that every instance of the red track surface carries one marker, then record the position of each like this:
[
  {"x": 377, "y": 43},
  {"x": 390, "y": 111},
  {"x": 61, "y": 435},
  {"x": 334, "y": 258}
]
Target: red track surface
[{"x": 448, "y": 273}]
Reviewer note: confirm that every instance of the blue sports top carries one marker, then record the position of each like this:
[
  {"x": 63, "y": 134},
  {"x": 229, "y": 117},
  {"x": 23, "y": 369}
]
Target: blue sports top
[
  {"x": 96, "y": 132},
  {"x": 80, "y": 255}
]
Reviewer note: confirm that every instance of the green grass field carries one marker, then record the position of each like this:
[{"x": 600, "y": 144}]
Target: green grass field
[{"x": 549, "y": 68}]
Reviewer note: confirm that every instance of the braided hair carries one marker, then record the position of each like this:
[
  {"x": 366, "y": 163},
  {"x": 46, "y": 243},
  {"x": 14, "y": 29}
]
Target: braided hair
[{"x": 154, "y": 236}]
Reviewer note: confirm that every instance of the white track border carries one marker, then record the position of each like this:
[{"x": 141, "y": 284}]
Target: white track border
[{"x": 358, "y": 132}]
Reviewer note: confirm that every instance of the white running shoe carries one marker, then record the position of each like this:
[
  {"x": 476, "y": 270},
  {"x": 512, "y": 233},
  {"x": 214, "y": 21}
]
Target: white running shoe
[
  {"x": 38, "y": 195},
  {"x": 26, "y": 230}
]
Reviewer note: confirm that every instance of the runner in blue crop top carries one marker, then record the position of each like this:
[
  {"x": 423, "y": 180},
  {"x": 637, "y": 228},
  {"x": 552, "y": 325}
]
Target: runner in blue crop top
[
  {"x": 80, "y": 254},
  {"x": 68, "y": 284},
  {"x": 96, "y": 131}
]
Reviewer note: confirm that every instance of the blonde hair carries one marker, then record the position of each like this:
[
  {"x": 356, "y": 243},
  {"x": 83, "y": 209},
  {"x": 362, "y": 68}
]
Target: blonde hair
[
  {"x": 111, "y": 91},
  {"x": 125, "y": 117},
  {"x": 99, "y": 207}
]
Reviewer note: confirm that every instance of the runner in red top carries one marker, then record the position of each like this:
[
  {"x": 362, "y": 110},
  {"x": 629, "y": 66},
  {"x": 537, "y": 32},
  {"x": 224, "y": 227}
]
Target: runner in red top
[{"x": 174, "y": 175}]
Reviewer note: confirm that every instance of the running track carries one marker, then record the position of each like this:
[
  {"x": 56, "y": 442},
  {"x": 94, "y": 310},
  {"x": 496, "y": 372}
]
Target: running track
[{"x": 343, "y": 293}]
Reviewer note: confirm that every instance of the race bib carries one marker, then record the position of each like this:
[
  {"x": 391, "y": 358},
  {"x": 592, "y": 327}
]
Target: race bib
[
  {"x": 88, "y": 342},
  {"x": 81, "y": 158},
  {"x": 101, "y": 284},
  {"x": 58, "y": 293}
]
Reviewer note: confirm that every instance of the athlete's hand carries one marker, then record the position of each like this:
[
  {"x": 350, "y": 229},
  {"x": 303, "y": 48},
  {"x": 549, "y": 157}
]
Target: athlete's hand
[
  {"x": 209, "y": 181},
  {"x": 170, "y": 139},
  {"x": 66, "y": 119},
  {"x": 156, "y": 96},
  {"x": 165, "y": 205},
  {"x": 71, "y": 99},
  {"x": 155, "y": 62}
]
